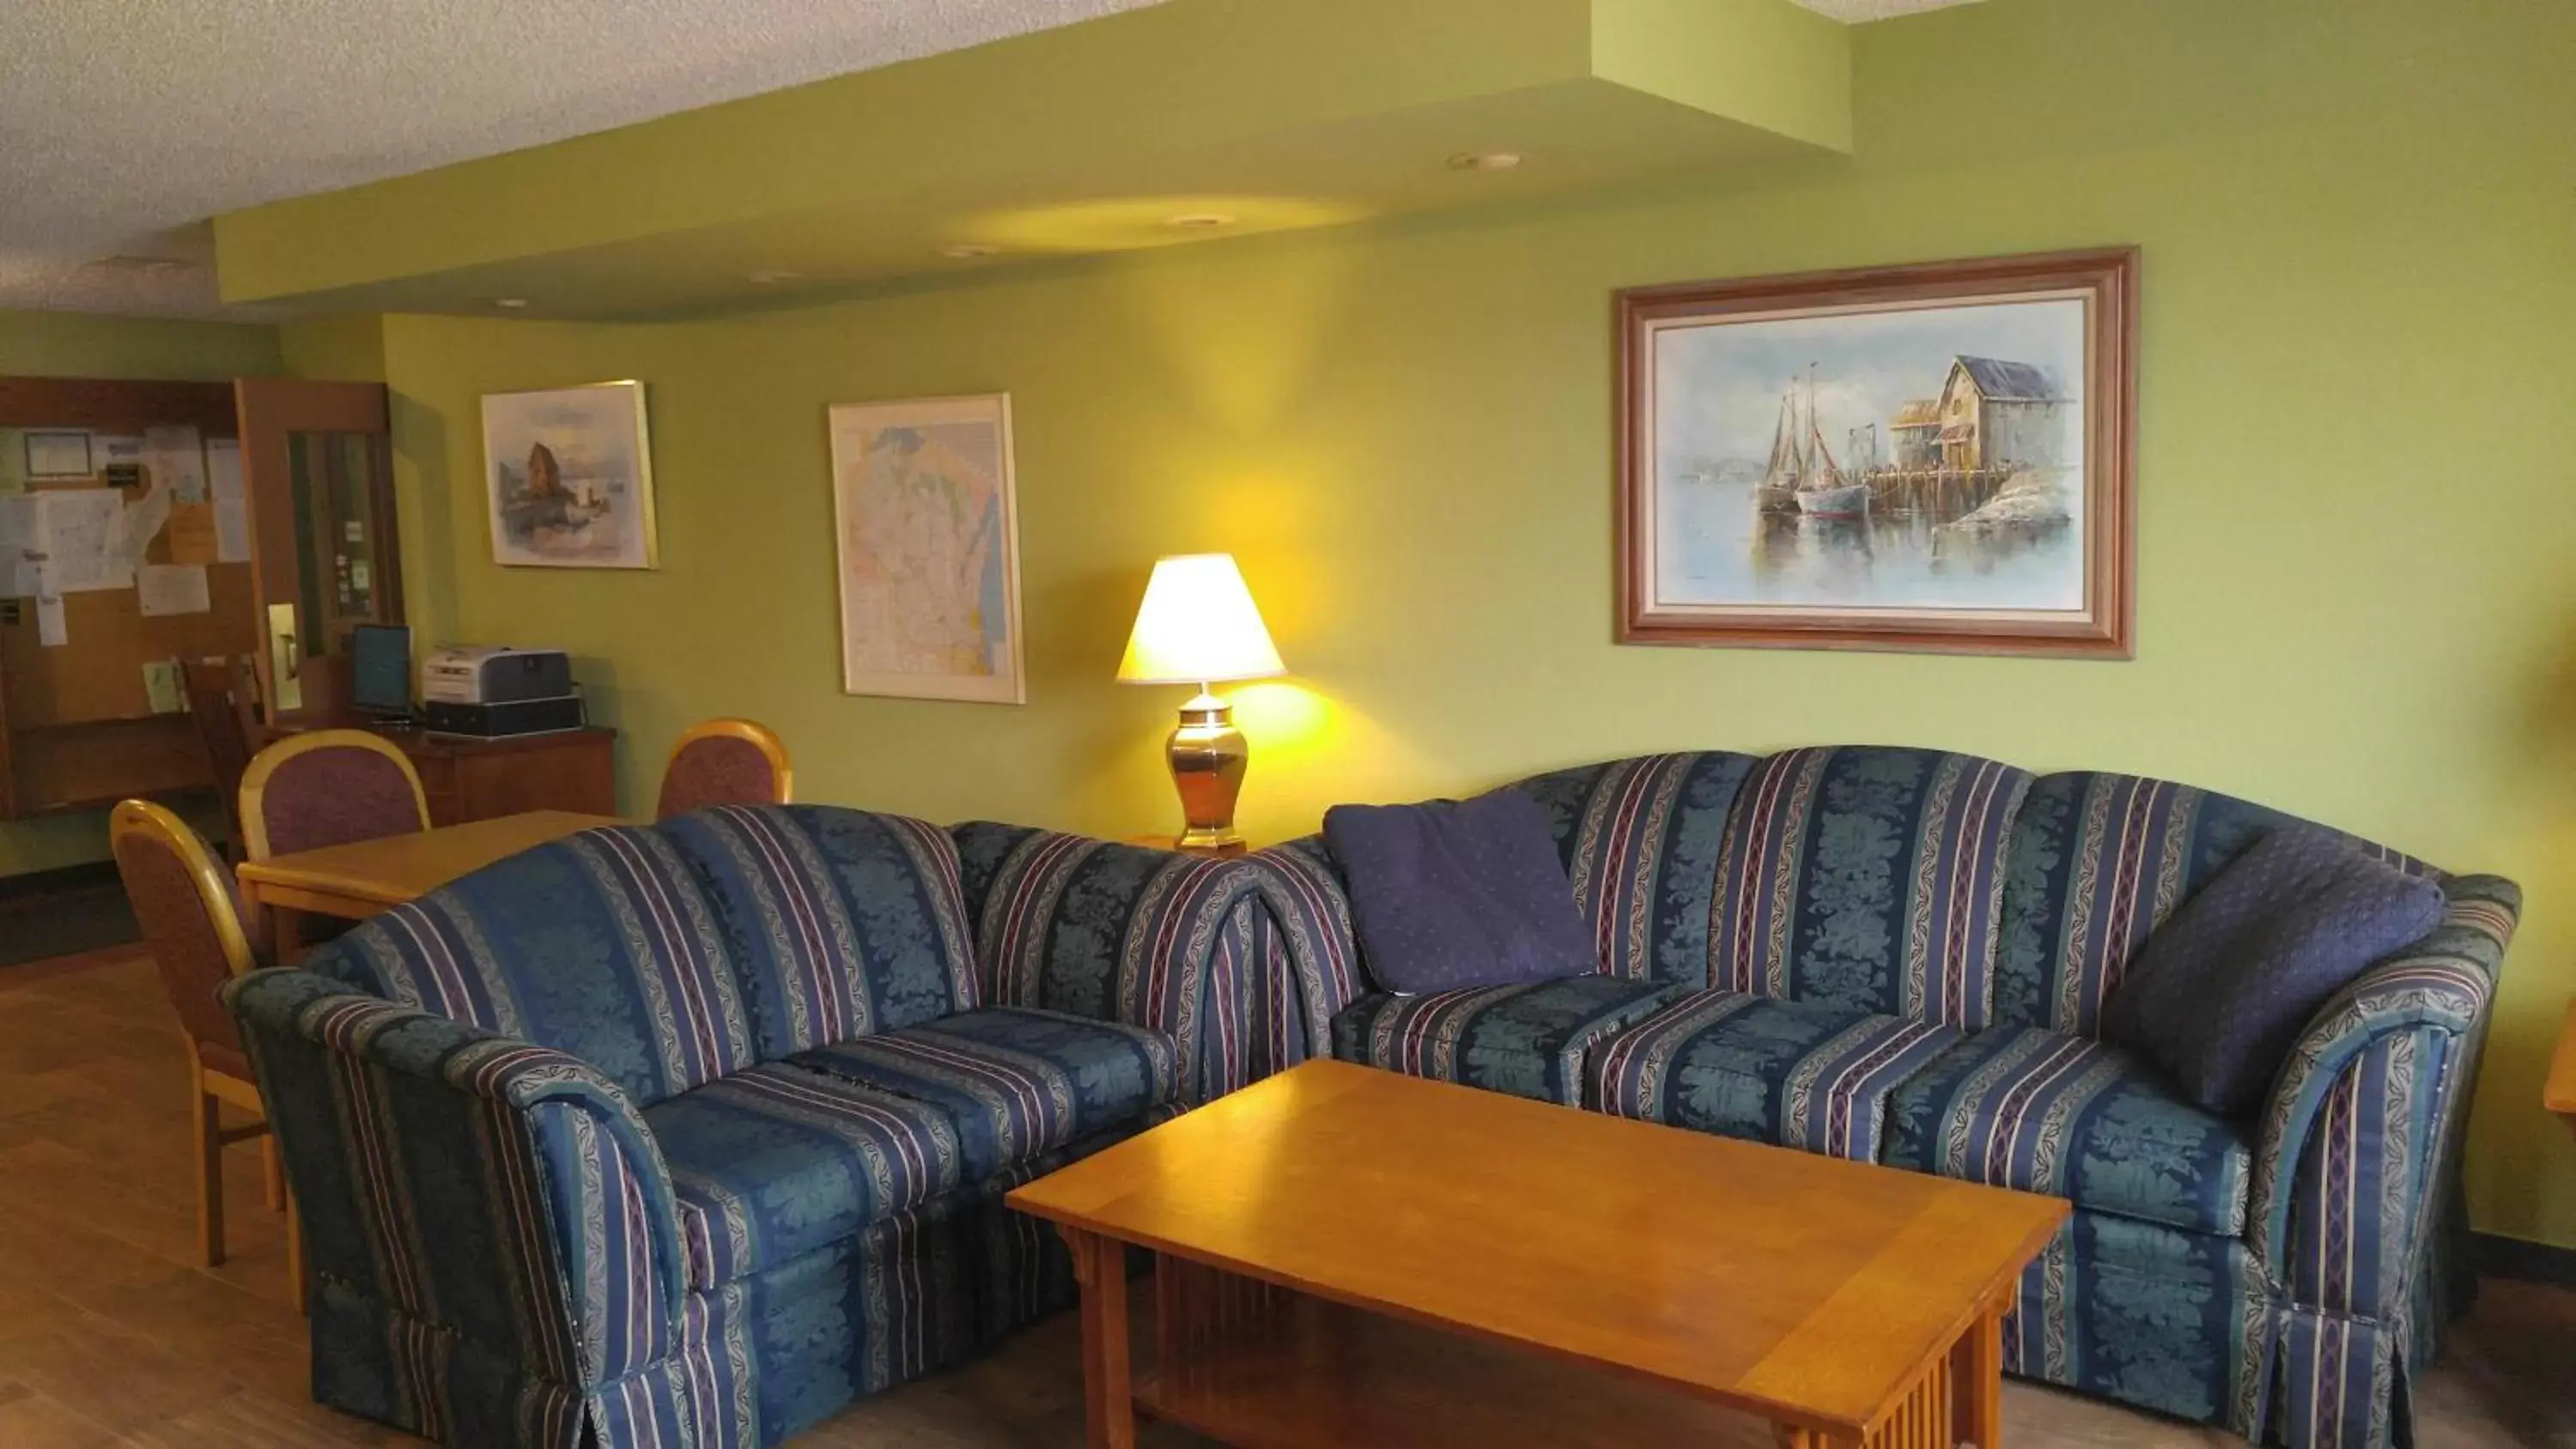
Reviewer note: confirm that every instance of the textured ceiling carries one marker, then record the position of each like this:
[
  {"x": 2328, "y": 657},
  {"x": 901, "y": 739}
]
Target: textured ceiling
[{"x": 128, "y": 122}]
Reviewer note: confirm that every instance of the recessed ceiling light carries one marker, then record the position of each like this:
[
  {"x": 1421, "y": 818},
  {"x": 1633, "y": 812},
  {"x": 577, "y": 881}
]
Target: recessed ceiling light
[
  {"x": 968, "y": 251},
  {"x": 1484, "y": 161},
  {"x": 1199, "y": 221},
  {"x": 771, "y": 276},
  {"x": 511, "y": 304}
]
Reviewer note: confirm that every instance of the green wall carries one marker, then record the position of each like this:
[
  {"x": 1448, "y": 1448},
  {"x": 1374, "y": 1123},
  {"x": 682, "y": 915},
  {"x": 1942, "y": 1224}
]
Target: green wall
[
  {"x": 64, "y": 344},
  {"x": 2356, "y": 549}
]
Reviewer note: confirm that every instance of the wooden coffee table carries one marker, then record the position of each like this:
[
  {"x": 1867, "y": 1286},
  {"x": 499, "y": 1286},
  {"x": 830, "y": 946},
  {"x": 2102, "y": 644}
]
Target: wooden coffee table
[{"x": 1351, "y": 1257}]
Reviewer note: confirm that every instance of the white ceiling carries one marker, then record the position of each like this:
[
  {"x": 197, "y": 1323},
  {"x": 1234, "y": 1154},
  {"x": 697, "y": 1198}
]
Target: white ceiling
[{"x": 124, "y": 124}]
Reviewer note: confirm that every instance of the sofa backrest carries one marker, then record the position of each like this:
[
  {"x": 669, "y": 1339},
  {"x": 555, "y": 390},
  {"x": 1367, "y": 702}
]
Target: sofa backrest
[
  {"x": 2096, "y": 862},
  {"x": 604, "y": 945},
  {"x": 1639, "y": 839},
  {"x": 839, "y": 923},
  {"x": 1869, "y": 877}
]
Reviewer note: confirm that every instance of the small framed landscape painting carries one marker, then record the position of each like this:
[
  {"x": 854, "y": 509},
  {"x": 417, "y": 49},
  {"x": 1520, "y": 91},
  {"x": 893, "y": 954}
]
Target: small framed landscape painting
[
  {"x": 1930, "y": 457},
  {"x": 569, "y": 476},
  {"x": 927, "y": 526}
]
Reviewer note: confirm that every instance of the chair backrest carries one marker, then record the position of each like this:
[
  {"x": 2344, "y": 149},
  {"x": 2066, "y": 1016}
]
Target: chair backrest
[
  {"x": 2097, "y": 862},
  {"x": 328, "y": 787},
  {"x": 227, "y": 726},
  {"x": 192, "y": 924},
  {"x": 725, "y": 762}
]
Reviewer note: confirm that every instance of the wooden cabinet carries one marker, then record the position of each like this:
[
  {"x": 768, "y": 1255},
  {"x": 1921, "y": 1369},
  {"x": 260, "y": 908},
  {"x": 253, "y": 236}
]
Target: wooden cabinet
[{"x": 486, "y": 779}]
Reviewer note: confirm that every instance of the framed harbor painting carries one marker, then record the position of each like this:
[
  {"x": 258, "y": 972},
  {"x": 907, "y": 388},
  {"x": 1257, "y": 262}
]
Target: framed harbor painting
[
  {"x": 569, "y": 476},
  {"x": 1933, "y": 457},
  {"x": 927, "y": 525}
]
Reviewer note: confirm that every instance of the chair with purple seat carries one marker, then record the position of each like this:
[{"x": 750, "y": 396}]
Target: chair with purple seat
[
  {"x": 725, "y": 762},
  {"x": 328, "y": 787}
]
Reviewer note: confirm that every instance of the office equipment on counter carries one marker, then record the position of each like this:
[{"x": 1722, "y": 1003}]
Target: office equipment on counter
[
  {"x": 380, "y": 672},
  {"x": 494, "y": 674}
]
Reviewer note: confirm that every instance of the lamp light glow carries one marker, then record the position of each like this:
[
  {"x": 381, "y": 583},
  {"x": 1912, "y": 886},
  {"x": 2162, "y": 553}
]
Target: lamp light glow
[{"x": 1198, "y": 625}]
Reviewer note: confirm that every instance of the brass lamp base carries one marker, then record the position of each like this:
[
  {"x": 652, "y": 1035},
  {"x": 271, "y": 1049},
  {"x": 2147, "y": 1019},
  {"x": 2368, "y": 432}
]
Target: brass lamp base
[{"x": 1208, "y": 755}]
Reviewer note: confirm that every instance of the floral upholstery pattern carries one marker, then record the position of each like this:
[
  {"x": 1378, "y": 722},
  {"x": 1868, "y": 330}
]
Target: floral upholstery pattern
[
  {"x": 1866, "y": 877},
  {"x": 772, "y": 1163},
  {"x": 602, "y": 946},
  {"x": 2074, "y": 1118},
  {"x": 1529, "y": 1040},
  {"x": 2149, "y": 1315},
  {"x": 838, "y": 922},
  {"x": 1013, "y": 1081},
  {"x": 1640, "y": 840},
  {"x": 1790, "y": 1073}
]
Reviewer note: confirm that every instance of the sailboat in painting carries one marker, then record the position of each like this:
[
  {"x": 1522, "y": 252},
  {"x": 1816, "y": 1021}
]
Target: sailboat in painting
[{"x": 1802, "y": 476}]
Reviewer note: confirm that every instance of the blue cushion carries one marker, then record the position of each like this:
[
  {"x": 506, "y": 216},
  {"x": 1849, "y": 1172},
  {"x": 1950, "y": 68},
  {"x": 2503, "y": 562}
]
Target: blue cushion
[
  {"x": 2071, "y": 1117},
  {"x": 1790, "y": 1073},
  {"x": 2223, "y": 988},
  {"x": 1451, "y": 894},
  {"x": 1014, "y": 1082},
  {"x": 775, "y": 1162},
  {"x": 1529, "y": 1041}
]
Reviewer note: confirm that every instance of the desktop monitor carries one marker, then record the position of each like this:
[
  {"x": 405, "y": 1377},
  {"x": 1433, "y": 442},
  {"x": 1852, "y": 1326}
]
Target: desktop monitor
[{"x": 380, "y": 669}]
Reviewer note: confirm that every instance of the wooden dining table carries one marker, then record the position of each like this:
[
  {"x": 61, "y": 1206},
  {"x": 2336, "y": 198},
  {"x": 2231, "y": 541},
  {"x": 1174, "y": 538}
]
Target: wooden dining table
[{"x": 355, "y": 881}]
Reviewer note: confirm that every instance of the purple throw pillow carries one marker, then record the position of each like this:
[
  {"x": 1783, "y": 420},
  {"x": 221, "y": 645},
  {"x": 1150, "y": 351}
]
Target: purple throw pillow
[
  {"x": 2225, "y": 985},
  {"x": 1451, "y": 894}
]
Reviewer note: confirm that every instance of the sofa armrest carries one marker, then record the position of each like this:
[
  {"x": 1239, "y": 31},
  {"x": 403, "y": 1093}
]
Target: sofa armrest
[
  {"x": 468, "y": 1181},
  {"x": 2356, "y": 1140},
  {"x": 1313, "y": 907}
]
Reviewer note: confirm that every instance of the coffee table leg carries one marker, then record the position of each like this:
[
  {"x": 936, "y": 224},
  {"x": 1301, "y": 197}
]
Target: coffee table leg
[
  {"x": 1100, "y": 1266},
  {"x": 1977, "y": 1383}
]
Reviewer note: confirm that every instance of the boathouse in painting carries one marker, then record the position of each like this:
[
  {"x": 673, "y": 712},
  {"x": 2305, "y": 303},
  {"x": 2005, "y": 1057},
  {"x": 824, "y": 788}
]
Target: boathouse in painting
[
  {"x": 1915, "y": 435},
  {"x": 1996, "y": 414}
]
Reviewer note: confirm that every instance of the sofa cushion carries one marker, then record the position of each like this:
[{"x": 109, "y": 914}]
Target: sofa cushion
[
  {"x": 2223, "y": 989},
  {"x": 1449, "y": 894},
  {"x": 774, "y": 1162},
  {"x": 1529, "y": 1041},
  {"x": 2074, "y": 1118},
  {"x": 1639, "y": 840},
  {"x": 602, "y": 946},
  {"x": 1790, "y": 1073},
  {"x": 2097, "y": 862},
  {"x": 1014, "y": 1082},
  {"x": 839, "y": 922},
  {"x": 1866, "y": 877}
]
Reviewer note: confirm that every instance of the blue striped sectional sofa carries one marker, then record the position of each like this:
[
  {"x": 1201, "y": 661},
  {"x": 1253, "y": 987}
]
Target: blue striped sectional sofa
[
  {"x": 1900, "y": 956},
  {"x": 687, "y": 1135}
]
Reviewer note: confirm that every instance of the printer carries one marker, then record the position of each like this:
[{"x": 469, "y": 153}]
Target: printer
[{"x": 489, "y": 691}]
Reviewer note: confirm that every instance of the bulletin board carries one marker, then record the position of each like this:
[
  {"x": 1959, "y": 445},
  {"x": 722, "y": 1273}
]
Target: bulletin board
[{"x": 78, "y": 726}]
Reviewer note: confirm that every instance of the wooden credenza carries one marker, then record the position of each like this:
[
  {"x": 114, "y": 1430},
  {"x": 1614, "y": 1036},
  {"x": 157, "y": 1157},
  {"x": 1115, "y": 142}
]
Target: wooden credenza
[{"x": 469, "y": 779}]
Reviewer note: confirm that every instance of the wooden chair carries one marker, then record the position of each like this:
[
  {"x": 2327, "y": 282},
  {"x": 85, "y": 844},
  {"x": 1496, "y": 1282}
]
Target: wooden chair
[
  {"x": 328, "y": 787},
  {"x": 725, "y": 762},
  {"x": 183, "y": 898},
  {"x": 226, "y": 714}
]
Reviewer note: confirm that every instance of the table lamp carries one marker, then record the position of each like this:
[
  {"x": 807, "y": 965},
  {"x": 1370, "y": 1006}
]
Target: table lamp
[{"x": 1198, "y": 625}]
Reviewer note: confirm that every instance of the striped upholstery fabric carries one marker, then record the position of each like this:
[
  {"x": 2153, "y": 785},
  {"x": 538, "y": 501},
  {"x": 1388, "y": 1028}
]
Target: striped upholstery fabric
[
  {"x": 1529, "y": 1040},
  {"x": 1147, "y": 937},
  {"x": 839, "y": 922},
  {"x": 1789, "y": 1073},
  {"x": 1310, "y": 953},
  {"x": 601, "y": 946},
  {"x": 1640, "y": 841},
  {"x": 775, "y": 1162},
  {"x": 2097, "y": 862},
  {"x": 2153, "y": 1316},
  {"x": 1014, "y": 1082},
  {"x": 448, "y": 1176},
  {"x": 1866, "y": 877},
  {"x": 2073, "y": 1118}
]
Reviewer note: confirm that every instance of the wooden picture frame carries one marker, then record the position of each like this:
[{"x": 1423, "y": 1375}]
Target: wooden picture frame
[
  {"x": 568, "y": 478},
  {"x": 926, "y": 535},
  {"x": 2000, "y": 518}
]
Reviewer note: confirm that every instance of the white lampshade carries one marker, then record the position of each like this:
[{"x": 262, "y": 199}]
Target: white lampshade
[{"x": 1198, "y": 625}]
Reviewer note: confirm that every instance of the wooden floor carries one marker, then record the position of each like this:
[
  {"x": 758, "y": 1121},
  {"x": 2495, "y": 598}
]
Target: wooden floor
[{"x": 109, "y": 1335}]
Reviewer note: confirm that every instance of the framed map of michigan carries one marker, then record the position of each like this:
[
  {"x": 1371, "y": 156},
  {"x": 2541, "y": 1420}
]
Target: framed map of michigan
[{"x": 928, "y": 533}]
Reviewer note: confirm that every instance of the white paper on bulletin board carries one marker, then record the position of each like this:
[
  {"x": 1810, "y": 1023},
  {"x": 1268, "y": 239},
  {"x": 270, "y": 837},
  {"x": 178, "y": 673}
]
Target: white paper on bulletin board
[
  {"x": 172, "y": 589},
  {"x": 51, "y": 630},
  {"x": 232, "y": 502},
  {"x": 176, "y": 461},
  {"x": 81, "y": 532}
]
